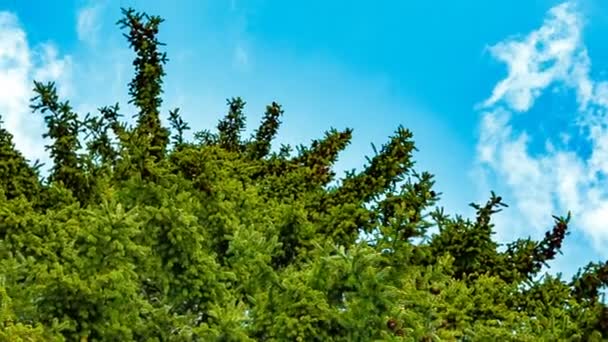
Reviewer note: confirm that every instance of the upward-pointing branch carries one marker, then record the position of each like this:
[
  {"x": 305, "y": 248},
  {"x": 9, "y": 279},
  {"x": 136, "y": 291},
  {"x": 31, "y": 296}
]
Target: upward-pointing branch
[{"x": 146, "y": 87}]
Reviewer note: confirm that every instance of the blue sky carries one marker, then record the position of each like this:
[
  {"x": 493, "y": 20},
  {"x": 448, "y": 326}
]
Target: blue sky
[{"x": 506, "y": 96}]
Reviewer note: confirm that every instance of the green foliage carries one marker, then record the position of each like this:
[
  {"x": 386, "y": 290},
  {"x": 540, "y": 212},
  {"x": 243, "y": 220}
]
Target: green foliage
[
  {"x": 224, "y": 239},
  {"x": 17, "y": 178}
]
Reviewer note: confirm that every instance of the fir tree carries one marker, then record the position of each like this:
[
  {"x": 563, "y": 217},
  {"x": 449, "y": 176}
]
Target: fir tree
[
  {"x": 232, "y": 239},
  {"x": 17, "y": 177}
]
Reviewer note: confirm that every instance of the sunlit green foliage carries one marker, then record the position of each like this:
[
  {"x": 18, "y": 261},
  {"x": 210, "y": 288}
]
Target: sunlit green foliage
[{"x": 137, "y": 235}]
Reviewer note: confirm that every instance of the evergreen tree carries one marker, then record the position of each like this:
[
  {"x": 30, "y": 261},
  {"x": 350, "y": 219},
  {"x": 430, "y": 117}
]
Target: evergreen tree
[
  {"x": 227, "y": 239},
  {"x": 17, "y": 177}
]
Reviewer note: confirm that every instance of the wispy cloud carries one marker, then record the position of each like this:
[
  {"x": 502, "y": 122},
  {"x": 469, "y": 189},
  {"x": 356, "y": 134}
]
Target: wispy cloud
[
  {"x": 20, "y": 64},
  {"x": 88, "y": 24},
  {"x": 240, "y": 58},
  {"x": 558, "y": 179},
  {"x": 553, "y": 53}
]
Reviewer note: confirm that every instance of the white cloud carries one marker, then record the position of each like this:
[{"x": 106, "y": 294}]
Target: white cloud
[
  {"x": 87, "y": 23},
  {"x": 550, "y": 54},
  {"x": 20, "y": 64},
  {"x": 240, "y": 57},
  {"x": 54, "y": 68},
  {"x": 558, "y": 180}
]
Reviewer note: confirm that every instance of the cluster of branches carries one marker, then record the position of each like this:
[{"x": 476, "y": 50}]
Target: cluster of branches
[{"x": 96, "y": 156}]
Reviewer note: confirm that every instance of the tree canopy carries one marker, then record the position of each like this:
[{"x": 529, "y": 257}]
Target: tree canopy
[{"x": 137, "y": 234}]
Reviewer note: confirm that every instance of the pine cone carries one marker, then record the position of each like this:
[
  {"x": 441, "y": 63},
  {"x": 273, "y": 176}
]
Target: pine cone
[{"x": 391, "y": 324}]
